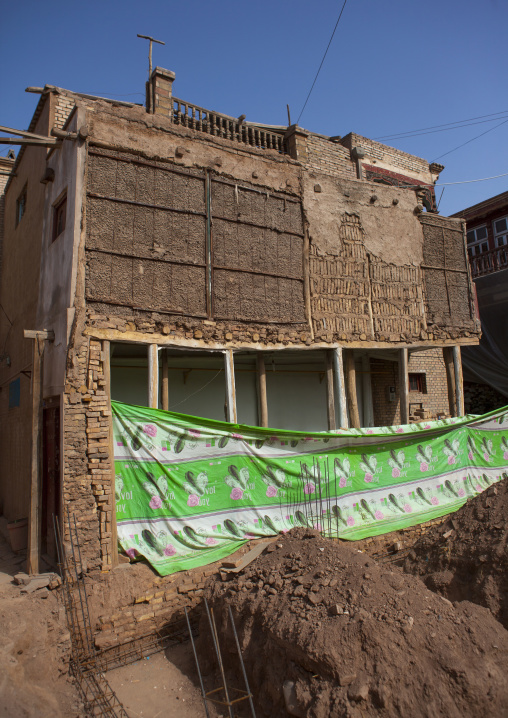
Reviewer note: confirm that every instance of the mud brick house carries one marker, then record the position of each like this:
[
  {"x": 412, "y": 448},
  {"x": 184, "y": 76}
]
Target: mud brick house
[
  {"x": 486, "y": 366},
  {"x": 174, "y": 256}
]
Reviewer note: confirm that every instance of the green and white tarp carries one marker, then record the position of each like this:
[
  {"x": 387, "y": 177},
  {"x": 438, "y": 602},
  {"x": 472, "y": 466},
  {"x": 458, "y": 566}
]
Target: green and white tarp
[{"x": 190, "y": 491}]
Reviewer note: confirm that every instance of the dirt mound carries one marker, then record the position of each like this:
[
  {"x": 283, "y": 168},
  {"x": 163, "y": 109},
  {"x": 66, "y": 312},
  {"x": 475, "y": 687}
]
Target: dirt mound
[
  {"x": 466, "y": 558},
  {"x": 340, "y": 635}
]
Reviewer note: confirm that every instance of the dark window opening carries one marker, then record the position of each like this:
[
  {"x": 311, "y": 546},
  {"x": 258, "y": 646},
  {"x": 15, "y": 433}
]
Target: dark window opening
[
  {"x": 59, "y": 216},
  {"x": 418, "y": 382},
  {"x": 21, "y": 205}
]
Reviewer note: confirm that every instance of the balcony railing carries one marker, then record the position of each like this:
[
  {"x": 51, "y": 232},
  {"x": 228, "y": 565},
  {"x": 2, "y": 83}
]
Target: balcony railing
[
  {"x": 488, "y": 262},
  {"x": 230, "y": 128}
]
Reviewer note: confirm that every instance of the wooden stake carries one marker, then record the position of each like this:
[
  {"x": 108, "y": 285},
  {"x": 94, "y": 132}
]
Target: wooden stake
[
  {"x": 153, "y": 376},
  {"x": 330, "y": 396},
  {"x": 459, "y": 385},
  {"x": 34, "y": 515},
  {"x": 106, "y": 351},
  {"x": 229, "y": 367},
  {"x": 404, "y": 386},
  {"x": 165, "y": 380},
  {"x": 340, "y": 387},
  {"x": 352, "y": 399},
  {"x": 261, "y": 387},
  {"x": 450, "y": 379}
]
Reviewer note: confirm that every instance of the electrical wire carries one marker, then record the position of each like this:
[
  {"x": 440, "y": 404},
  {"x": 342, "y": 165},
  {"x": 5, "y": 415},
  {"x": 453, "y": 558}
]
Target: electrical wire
[
  {"x": 322, "y": 61},
  {"x": 196, "y": 392},
  {"x": 447, "y": 124},
  {"x": 471, "y": 140},
  {"x": 407, "y": 136},
  {"x": 483, "y": 179}
]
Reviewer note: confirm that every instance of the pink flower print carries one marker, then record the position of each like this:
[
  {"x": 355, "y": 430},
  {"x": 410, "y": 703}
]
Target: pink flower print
[
  {"x": 237, "y": 436},
  {"x": 400, "y": 430},
  {"x": 309, "y": 488},
  {"x": 342, "y": 482},
  {"x": 424, "y": 466},
  {"x": 407, "y": 508},
  {"x": 486, "y": 456},
  {"x": 434, "y": 501},
  {"x": 248, "y": 536},
  {"x": 451, "y": 459},
  {"x": 461, "y": 493},
  {"x": 379, "y": 515},
  {"x": 395, "y": 473},
  {"x": 350, "y": 521},
  {"x": 170, "y": 550},
  {"x": 150, "y": 429},
  {"x": 155, "y": 502},
  {"x": 368, "y": 478},
  {"x": 271, "y": 491},
  {"x": 370, "y": 431},
  {"x": 236, "y": 493},
  {"x": 470, "y": 455},
  {"x": 131, "y": 552},
  {"x": 193, "y": 500},
  {"x": 195, "y": 433},
  {"x": 427, "y": 426},
  {"x": 505, "y": 455},
  {"x": 318, "y": 527},
  {"x": 210, "y": 541},
  {"x": 478, "y": 488}
]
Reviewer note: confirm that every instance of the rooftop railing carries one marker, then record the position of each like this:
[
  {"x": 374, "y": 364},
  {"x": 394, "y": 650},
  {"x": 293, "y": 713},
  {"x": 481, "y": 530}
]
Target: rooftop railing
[
  {"x": 488, "y": 262},
  {"x": 230, "y": 128}
]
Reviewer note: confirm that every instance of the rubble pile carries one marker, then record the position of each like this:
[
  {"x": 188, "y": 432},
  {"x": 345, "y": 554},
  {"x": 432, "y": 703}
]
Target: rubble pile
[
  {"x": 326, "y": 631},
  {"x": 467, "y": 556}
]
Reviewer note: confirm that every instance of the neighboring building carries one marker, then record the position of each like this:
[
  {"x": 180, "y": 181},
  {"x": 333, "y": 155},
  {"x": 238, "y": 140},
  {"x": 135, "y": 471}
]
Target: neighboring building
[
  {"x": 486, "y": 366},
  {"x": 176, "y": 257}
]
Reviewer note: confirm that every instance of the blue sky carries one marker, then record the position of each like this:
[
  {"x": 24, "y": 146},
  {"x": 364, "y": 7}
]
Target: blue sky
[{"x": 393, "y": 67}]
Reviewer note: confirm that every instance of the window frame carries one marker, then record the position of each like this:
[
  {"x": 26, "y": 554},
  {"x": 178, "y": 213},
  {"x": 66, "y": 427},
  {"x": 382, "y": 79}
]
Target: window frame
[
  {"x": 477, "y": 246},
  {"x": 21, "y": 203},
  {"x": 503, "y": 234},
  {"x": 420, "y": 378},
  {"x": 57, "y": 207}
]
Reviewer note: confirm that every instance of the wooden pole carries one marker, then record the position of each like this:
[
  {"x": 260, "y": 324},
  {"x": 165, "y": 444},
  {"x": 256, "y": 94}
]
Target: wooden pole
[
  {"x": 404, "y": 386},
  {"x": 229, "y": 367},
  {"x": 459, "y": 385},
  {"x": 261, "y": 387},
  {"x": 450, "y": 379},
  {"x": 352, "y": 399},
  {"x": 368, "y": 409},
  {"x": 340, "y": 387},
  {"x": 165, "y": 380},
  {"x": 106, "y": 353},
  {"x": 153, "y": 376},
  {"x": 330, "y": 395},
  {"x": 34, "y": 515}
]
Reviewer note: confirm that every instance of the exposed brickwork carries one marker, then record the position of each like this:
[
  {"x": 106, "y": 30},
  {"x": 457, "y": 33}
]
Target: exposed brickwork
[
  {"x": 63, "y": 108},
  {"x": 386, "y": 374},
  {"x": 329, "y": 157},
  {"x": 389, "y": 155}
]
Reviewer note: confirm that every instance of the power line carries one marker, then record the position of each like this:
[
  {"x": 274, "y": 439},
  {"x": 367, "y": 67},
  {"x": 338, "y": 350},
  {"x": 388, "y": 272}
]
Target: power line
[
  {"x": 471, "y": 140},
  {"x": 322, "y": 61},
  {"x": 407, "y": 135},
  {"x": 447, "y": 124},
  {"x": 483, "y": 179}
]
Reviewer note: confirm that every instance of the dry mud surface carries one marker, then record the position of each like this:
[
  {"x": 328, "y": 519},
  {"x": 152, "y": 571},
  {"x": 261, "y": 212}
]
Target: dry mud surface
[
  {"x": 466, "y": 557},
  {"x": 349, "y": 637}
]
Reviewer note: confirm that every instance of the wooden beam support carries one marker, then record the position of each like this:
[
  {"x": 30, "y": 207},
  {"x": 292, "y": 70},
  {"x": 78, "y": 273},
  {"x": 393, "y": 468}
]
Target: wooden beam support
[
  {"x": 153, "y": 376},
  {"x": 35, "y": 507},
  {"x": 330, "y": 394},
  {"x": 450, "y": 379},
  {"x": 403, "y": 386},
  {"x": 229, "y": 368},
  {"x": 261, "y": 390},
  {"x": 165, "y": 380},
  {"x": 352, "y": 398},
  {"x": 459, "y": 384},
  {"x": 106, "y": 364},
  {"x": 368, "y": 408},
  {"x": 340, "y": 387}
]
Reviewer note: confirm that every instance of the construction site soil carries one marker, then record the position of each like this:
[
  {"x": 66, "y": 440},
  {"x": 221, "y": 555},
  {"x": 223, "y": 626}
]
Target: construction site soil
[{"x": 327, "y": 632}]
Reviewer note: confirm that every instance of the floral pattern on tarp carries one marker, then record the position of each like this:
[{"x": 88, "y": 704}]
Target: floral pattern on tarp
[{"x": 190, "y": 491}]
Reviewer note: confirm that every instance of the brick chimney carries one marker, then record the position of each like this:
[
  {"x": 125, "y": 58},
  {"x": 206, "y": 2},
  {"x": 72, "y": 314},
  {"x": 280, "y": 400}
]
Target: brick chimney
[{"x": 159, "y": 92}]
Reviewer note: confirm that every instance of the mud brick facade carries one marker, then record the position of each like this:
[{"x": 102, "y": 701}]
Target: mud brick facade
[{"x": 187, "y": 229}]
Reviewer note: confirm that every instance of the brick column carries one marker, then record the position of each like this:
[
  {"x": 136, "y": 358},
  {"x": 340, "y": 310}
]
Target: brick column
[
  {"x": 159, "y": 92},
  {"x": 296, "y": 143}
]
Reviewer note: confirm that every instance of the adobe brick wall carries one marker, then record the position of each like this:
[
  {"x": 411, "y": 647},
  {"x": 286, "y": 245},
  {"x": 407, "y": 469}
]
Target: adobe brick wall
[
  {"x": 388, "y": 155},
  {"x": 329, "y": 157},
  {"x": 386, "y": 373}
]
